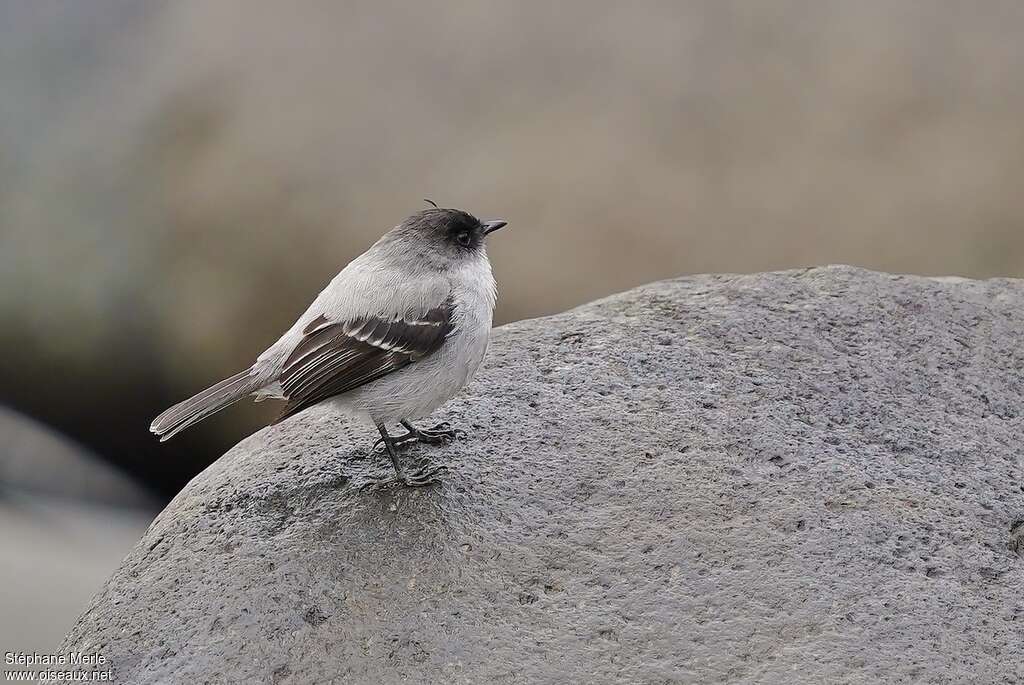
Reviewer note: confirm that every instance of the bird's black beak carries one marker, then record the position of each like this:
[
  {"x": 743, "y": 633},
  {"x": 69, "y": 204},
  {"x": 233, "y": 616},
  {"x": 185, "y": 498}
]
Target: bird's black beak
[{"x": 493, "y": 225}]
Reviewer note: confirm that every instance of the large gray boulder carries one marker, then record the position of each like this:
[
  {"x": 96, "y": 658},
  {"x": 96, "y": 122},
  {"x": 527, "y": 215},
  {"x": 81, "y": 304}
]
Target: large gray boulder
[{"x": 800, "y": 477}]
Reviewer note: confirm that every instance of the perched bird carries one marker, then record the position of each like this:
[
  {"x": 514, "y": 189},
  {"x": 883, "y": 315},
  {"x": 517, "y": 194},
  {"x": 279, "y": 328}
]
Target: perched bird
[{"x": 394, "y": 336}]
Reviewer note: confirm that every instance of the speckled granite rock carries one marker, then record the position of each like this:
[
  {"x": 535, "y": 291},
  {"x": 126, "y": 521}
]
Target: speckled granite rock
[{"x": 799, "y": 477}]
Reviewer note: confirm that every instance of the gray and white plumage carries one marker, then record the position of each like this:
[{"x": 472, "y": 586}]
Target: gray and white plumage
[{"x": 397, "y": 333}]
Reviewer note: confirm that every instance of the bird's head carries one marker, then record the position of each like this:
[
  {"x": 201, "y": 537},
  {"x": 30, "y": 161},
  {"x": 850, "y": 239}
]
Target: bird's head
[{"x": 450, "y": 233}]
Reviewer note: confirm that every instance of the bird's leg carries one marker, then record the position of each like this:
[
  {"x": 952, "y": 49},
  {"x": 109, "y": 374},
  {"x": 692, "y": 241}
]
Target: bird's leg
[
  {"x": 440, "y": 433},
  {"x": 389, "y": 445},
  {"x": 397, "y": 441},
  {"x": 420, "y": 477}
]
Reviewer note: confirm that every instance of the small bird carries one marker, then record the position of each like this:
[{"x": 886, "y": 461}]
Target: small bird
[{"x": 396, "y": 334}]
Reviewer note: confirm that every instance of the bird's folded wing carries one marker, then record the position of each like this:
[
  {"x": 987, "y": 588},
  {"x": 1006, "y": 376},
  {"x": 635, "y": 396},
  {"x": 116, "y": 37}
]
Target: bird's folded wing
[{"x": 335, "y": 357}]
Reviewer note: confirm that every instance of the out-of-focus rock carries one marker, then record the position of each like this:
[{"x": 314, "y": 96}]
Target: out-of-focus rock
[
  {"x": 37, "y": 461},
  {"x": 66, "y": 521},
  {"x": 797, "y": 477}
]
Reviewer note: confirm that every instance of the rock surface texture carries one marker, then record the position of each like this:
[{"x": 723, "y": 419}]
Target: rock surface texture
[{"x": 800, "y": 477}]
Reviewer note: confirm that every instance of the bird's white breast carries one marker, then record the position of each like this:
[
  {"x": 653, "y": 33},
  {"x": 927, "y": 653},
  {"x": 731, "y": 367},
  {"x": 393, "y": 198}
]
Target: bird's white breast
[{"x": 423, "y": 386}]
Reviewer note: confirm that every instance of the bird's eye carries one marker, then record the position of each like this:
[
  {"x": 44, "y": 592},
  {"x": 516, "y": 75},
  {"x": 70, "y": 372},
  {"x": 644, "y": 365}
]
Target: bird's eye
[{"x": 464, "y": 238}]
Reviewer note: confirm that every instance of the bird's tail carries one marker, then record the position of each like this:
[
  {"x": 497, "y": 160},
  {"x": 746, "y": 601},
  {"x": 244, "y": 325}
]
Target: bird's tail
[{"x": 209, "y": 401}]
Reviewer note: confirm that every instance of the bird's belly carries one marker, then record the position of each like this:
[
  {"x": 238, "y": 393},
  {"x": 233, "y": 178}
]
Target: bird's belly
[{"x": 421, "y": 387}]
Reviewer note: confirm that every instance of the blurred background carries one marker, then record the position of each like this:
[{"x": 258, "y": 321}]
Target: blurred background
[{"x": 178, "y": 179}]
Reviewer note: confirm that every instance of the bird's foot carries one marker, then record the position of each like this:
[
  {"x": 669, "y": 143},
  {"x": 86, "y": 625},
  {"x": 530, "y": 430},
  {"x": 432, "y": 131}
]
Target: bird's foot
[
  {"x": 419, "y": 476},
  {"x": 439, "y": 434},
  {"x": 423, "y": 474},
  {"x": 399, "y": 442}
]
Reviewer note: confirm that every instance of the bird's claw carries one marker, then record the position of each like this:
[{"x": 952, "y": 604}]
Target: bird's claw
[
  {"x": 425, "y": 473},
  {"x": 442, "y": 432},
  {"x": 422, "y": 476},
  {"x": 439, "y": 434},
  {"x": 398, "y": 441}
]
